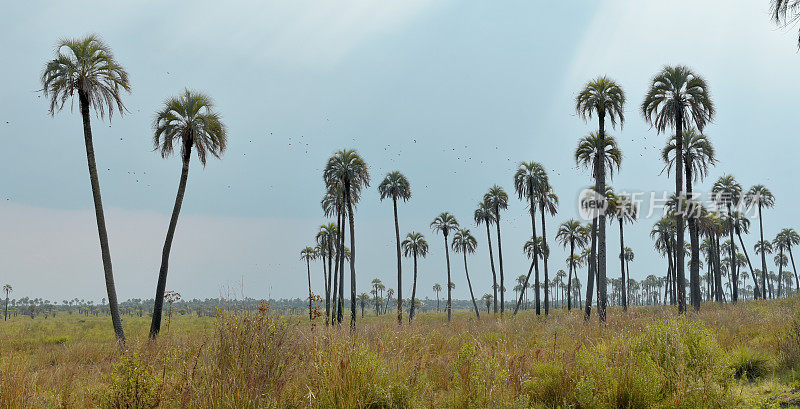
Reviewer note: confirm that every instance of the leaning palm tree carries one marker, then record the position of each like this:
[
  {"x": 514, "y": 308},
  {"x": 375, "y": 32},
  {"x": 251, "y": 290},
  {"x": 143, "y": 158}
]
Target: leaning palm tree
[
  {"x": 591, "y": 151},
  {"x": 346, "y": 168},
  {"x": 698, "y": 157},
  {"x": 445, "y": 223},
  {"x": 190, "y": 121},
  {"x": 572, "y": 233},
  {"x": 87, "y": 66},
  {"x": 414, "y": 246},
  {"x": 623, "y": 210},
  {"x": 785, "y": 12},
  {"x": 727, "y": 192},
  {"x": 484, "y": 214},
  {"x": 308, "y": 254},
  {"x": 396, "y": 186},
  {"x": 679, "y": 99},
  {"x": 497, "y": 199},
  {"x": 602, "y": 97},
  {"x": 530, "y": 181},
  {"x": 465, "y": 243},
  {"x": 761, "y": 197},
  {"x": 7, "y": 289}
]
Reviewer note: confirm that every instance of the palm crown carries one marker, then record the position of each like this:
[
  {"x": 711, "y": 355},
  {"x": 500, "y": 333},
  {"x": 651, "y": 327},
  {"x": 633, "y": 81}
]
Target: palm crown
[
  {"x": 590, "y": 149},
  {"x": 191, "y": 120},
  {"x": 395, "y": 186},
  {"x": 727, "y": 191},
  {"x": 415, "y": 245},
  {"x": 678, "y": 90},
  {"x": 88, "y": 66},
  {"x": 572, "y": 231},
  {"x": 698, "y": 152},
  {"x": 530, "y": 179},
  {"x": 483, "y": 214},
  {"x": 759, "y": 195},
  {"x": 464, "y": 241},
  {"x": 444, "y": 223},
  {"x": 601, "y": 96},
  {"x": 348, "y": 166},
  {"x": 496, "y": 198}
]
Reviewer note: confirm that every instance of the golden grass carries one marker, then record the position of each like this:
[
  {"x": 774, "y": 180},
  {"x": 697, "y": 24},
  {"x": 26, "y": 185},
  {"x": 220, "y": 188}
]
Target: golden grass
[{"x": 647, "y": 357}]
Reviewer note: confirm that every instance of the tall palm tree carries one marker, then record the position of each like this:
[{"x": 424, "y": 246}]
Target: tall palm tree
[
  {"x": 678, "y": 98},
  {"x": 7, "y": 289},
  {"x": 781, "y": 261},
  {"x": 465, "y": 243},
  {"x": 786, "y": 12},
  {"x": 548, "y": 204},
  {"x": 396, "y": 186},
  {"x": 698, "y": 156},
  {"x": 763, "y": 248},
  {"x": 791, "y": 239},
  {"x": 530, "y": 181},
  {"x": 327, "y": 235},
  {"x": 602, "y": 97},
  {"x": 623, "y": 210},
  {"x": 761, "y": 197},
  {"x": 414, "y": 246},
  {"x": 572, "y": 233},
  {"x": 190, "y": 121},
  {"x": 593, "y": 150},
  {"x": 348, "y": 169},
  {"x": 308, "y": 254},
  {"x": 497, "y": 199},
  {"x": 88, "y": 66},
  {"x": 663, "y": 233},
  {"x": 727, "y": 192},
  {"x": 484, "y": 214},
  {"x": 437, "y": 288},
  {"x": 742, "y": 224},
  {"x": 445, "y": 223}
]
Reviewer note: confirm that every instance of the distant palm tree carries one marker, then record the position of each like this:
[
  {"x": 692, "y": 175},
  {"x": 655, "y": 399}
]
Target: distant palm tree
[
  {"x": 591, "y": 151},
  {"x": 308, "y": 254},
  {"x": 628, "y": 256},
  {"x": 465, "y": 243},
  {"x": 763, "y": 248},
  {"x": 437, "y": 288},
  {"x": 445, "y": 223},
  {"x": 484, "y": 214},
  {"x": 189, "y": 120},
  {"x": 7, "y": 289},
  {"x": 572, "y": 233},
  {"x": 781, "y": 261},
  {"x": 698, "y": 157},
  {"x": 602, "y": 97},
  {"x": 786, "y": 12},
  {"x": 530, "y": 180},
  {"x": 346, "y": 168},
  {"x": 363, "y": 299},
  {"x": 727, "y": 192},
  {"x": 742, "y": 224},
  {"x": 622, "y": 210},
  {"x": 396, "y": 186},
  {"x": 377, "y": 287},
  {"x": 88, "y": 66},
  {"x": 497, "y": 199},
  {"x": 761, "y": 197},
  {"x": 548, "y": 205},
  {"x": 414, "y": 246},
  {"x": 487, "y": 298},
  {"x": 791, "y": 239},
  {"x": 326, "y": 237}
]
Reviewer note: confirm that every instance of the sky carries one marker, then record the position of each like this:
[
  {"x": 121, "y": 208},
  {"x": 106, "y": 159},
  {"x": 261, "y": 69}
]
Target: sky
[{"x": 454, "y": 94}]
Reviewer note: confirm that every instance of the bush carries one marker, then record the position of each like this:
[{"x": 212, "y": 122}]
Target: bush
[
  {"x": 748, "y": 364},
  {"x": 131, "y": 386}
]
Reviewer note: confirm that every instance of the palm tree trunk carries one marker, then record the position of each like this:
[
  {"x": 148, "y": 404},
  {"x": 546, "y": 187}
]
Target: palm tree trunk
[
  {"x": 796, "y": 281},
  {"x": 521, "y": 293},
  {"x": 544, "y": 259},
  {"x": 491, "y": 263},
  {"x": 328, "y": 283},
  {"x": 591, "y": 273},
  {"x": 499, "y": 258},
  {"x": 601, "y": 245},
  {"x": 399, "y": 265},
  {"x": 116, "y": 321},
  {"x": 340, "y": 300},
  {"x": 694, "y": 244},
  {"x": 780, "y": 273},
  {"x": 732, "y": 255},
  {"x": 469, "y": 284},
  {"x": 763, "y": 256},
  {"x": 5, "y": 314},
  {"x": 351, "y": 218},
  {"x": 337, "y": 264},
  {"x": 717, "y": 269},
  {"x": 535, "y": 250},
  {"x": 670, "y": 274},
  {"x": 155, "y": 325},
  {"x": 308, "y": 266},
  {"x": 750, "y": 265},
  {"x": 413, "y": 291},
  {"x": 449, "y": 287},
  {"x": 624, "y": 293},
  {"x": 569, "y": 278}
]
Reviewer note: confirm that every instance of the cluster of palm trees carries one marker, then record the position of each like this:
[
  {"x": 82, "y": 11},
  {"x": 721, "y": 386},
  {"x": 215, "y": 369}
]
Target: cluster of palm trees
[{"x": 87, "y": 67}]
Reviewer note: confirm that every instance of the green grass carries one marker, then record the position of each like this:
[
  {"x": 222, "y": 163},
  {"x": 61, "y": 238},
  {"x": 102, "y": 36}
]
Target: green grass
[{"x": 725, "y": 356}]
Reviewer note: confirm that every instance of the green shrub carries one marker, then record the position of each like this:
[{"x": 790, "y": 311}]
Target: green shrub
[
  {"x": 131, "y": 386},
  {"x": 790, "y": 344},
  {"x": 748, "y": 364},
  {"x": 548, "y": 384}
]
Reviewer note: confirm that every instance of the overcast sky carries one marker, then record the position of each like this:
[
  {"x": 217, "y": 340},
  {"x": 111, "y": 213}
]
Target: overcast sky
[{"x": 453, "y": 94}]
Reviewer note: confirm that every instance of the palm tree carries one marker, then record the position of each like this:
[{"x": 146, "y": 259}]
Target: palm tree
[
  {"x": 363, "y": 298},
  {"x": 396, "y": 186},
  {"x": 727, "y": 192},
  {"x": 761, "y": 197},
  {"x": 742, "y": 224},
  {"x": 308, "y": 254},
  {"x": 530, "y": 180},
  {"x": 484, "y": 214},
  {"x": 327, "y": 235},
  {"x": 347, "y": 169},
  {"x": 628, "y": 256},
  {"x": 464, "y": 242},
  {"x": 763, "y": 248},
  {"x": 572, "y": 233},
  {"x": 88, "y": 66},
  {"x": 445, "y": 223},
  {"x": 786, "y": 12},
  {"x": 593, "y": 150},
  {"x": 601, "y": 97},
  {"x": 663, "y": 233},
  {"x": 377, "y": 287},
  {"x": 624, "y": 211},
  {"x": 698, "y": 157},
  {"x": 781, "y": 261},
  {"x": 437, "y": 288},
  {"x": 414, "y": 246},
  {"x": 190, "y": 120},
  {"x": 790, "y": 239},
  {"x": 497, "y": 199},
  {"x": 548, "y": 204},
  {"x": 7, "y": 289},
  {"x": 487, "y": 298},
  {"x": 678, "y": 98}
]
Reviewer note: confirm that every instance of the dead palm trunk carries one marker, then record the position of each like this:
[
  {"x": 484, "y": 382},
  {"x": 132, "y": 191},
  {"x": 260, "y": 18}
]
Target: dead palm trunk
[
  {"x": 105, "y": 252},
  {"x": 155, "y": 325}
]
